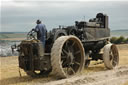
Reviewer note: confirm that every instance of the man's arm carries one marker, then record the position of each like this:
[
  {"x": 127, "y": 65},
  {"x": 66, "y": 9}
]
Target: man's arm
[{"x": 36, "y": 29}]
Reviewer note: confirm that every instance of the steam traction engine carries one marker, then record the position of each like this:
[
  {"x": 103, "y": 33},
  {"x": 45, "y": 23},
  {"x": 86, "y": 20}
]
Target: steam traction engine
[{"x": 69, "y": 49}]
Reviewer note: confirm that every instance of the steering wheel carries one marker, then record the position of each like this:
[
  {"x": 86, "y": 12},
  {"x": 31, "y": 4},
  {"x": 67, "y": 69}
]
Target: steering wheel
[{"x": 31, "y": 35}]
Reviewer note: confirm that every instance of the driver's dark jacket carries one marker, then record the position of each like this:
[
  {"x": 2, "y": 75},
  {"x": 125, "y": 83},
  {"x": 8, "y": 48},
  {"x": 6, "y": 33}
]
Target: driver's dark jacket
[{"x": 41, "y": 32}]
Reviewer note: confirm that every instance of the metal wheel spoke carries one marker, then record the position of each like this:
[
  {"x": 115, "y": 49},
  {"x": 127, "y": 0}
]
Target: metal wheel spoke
[
  {"x": 66, "y": 44},
  {"x": 63, "y": 63},
  {"x": 73, "y": 44},
  {"x": 64, "y": 51},
  {"x": 77, "y": 52},
  {"x": 77, "y": 63},
  {"x": 72, "y": 69},
  {"x": 116, "y": 54},
  {"x": 114, "y": 61},
  {"x": 111, "y": 55}
]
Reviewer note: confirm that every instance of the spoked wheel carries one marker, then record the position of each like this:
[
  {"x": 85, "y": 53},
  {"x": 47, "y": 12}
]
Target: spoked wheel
[
  {"x": 67, "y": 56},
  {"x": 111, "y": 56},
  {"x": 38, "y": 73}
]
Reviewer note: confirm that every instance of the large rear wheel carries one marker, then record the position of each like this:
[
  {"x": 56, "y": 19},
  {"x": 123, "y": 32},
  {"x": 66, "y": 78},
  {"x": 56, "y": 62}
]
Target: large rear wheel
[
  {"x": 67, "y": 56},
  {"x": 110, "y": 56}
]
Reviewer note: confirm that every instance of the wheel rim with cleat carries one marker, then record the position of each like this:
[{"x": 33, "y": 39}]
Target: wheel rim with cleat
[
  {"x": 111, "y": 56},
  {"x": 67, "y": 56}
]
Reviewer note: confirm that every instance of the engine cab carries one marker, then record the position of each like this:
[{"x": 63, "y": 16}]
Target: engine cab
[
  {"x": 101, "y": 21},
  {"x": 94, "y": 30}
]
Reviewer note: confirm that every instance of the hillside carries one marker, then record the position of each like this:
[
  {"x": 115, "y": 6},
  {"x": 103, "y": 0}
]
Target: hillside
[{"x": 18, "y": 35}]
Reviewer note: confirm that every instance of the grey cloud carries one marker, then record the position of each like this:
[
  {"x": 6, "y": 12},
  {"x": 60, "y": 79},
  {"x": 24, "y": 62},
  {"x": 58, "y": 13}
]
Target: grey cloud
[{"x": 24, "y": 14}]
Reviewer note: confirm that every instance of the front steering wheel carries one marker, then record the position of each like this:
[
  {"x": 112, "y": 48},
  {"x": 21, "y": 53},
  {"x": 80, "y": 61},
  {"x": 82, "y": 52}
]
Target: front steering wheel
[{"x": 31, "y": 35}]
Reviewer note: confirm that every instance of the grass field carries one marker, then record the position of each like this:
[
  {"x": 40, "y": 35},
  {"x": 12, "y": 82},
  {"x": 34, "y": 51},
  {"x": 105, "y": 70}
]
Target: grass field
[
  {"x": 12, "y": 35},
  {"x": 15, "y": 35},
  {"x": 9, "y": 71}
]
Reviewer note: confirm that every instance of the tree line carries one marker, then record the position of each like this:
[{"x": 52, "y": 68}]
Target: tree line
[{"x": 119, "y": 40}]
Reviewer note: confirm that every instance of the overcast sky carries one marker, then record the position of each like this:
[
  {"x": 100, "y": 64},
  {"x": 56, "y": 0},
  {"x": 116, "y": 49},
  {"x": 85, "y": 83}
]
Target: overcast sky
[{"x": 20, "y": 16}]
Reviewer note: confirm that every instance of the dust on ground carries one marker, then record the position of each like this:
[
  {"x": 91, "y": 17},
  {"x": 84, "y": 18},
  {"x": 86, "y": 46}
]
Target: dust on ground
[
  {"x": 93, "y": 75},
  {"x": 116, "y": 76}
]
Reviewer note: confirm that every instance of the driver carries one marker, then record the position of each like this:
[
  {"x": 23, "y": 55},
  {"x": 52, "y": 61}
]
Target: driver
[{"x": 41, "y": 31}]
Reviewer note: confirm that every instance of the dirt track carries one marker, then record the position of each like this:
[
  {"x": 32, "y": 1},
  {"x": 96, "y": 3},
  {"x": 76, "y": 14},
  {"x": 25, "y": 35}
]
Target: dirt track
[
  {"x": 94, "y": 75},
  {"x": 110, "y": 77}
]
